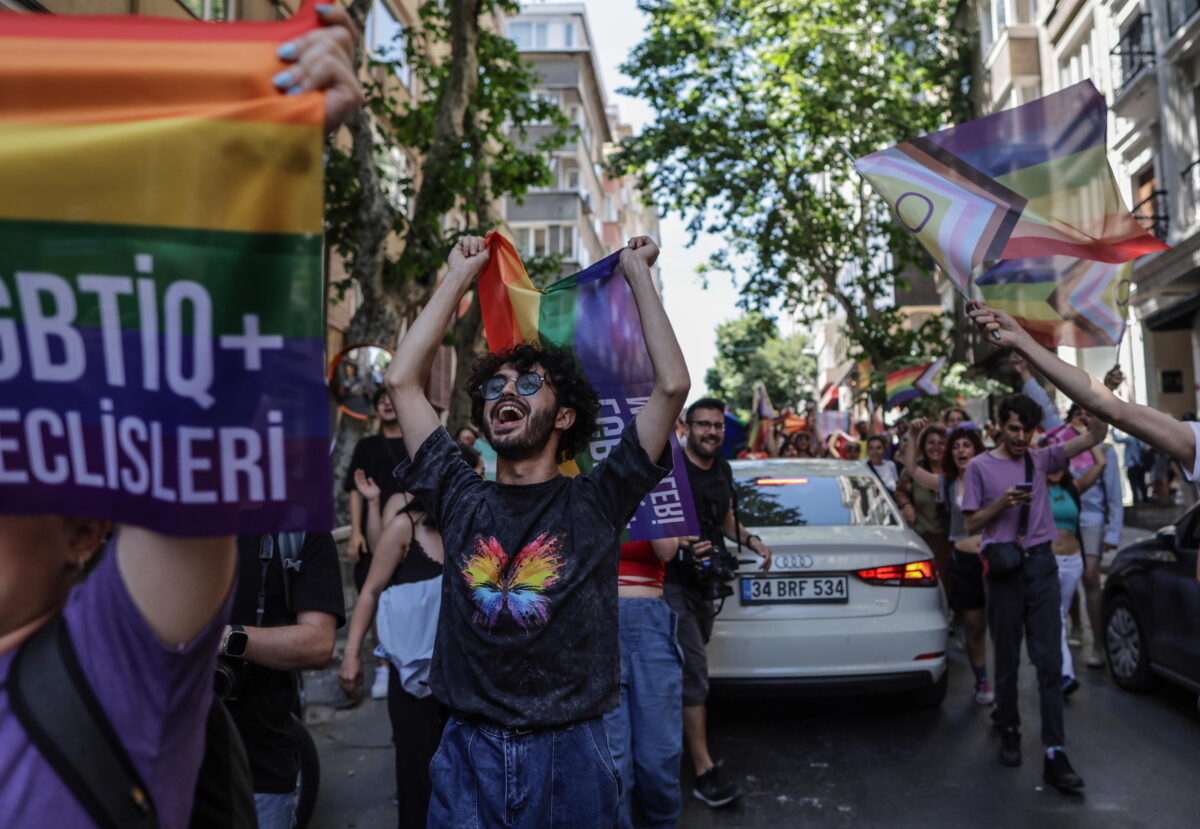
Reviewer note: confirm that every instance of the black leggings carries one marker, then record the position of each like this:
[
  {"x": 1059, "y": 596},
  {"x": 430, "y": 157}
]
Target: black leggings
[{"x": 416, "y": 731}]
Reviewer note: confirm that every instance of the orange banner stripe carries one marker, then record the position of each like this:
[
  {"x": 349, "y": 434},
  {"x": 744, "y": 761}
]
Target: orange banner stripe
[{"x": 74, "y": 81}]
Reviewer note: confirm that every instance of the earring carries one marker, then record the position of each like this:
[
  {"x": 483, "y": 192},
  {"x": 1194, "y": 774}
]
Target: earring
[{"x": 80, "y": 567}]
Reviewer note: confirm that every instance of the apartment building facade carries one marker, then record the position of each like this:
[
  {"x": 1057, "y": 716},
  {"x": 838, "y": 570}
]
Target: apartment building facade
[{"x": 1144, "y": 57}]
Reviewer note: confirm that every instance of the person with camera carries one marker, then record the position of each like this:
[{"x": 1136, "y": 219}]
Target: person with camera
[
  {"x": 286, "y": 610},
  {"x": 1005, "y": 497},
  {"x": 698, "y": 575}
]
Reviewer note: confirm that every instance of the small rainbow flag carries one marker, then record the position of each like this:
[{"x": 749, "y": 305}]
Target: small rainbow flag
[
  {"x": 594, "y": 313},
  {"x": 1026, "y": 182},
  {"x": 160, "y": 255},
  {"x": 1060, "y": 300},
  {"x": 910, "y": 383}
]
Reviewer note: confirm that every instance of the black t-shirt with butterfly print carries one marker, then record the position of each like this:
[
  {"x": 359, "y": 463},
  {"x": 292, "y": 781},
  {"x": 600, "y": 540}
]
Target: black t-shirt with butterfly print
[{"x": 527, "y": 635}]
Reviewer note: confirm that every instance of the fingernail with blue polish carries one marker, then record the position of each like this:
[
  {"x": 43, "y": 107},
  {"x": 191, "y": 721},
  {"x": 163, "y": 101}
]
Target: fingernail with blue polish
[
  {"x": 283, "y": 79},
  {"x": 324, "y": 9},
  {"x": 287, "y": 51},
  {"x": 295, "y": 90}
]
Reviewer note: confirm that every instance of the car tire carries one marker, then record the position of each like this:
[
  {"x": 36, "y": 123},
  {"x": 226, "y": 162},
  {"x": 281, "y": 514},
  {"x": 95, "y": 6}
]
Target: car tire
[
  {"x": 932, "y": 695},
  {"x": 1126, "y": 649}
]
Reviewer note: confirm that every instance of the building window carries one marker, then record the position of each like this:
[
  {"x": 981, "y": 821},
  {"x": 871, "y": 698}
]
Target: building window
[
  {"x": 546, "y": 240},
  {"x": 386, "y": 41},
  {"x": 207, "y": 9},
  {"x": 542, "y": 35}
]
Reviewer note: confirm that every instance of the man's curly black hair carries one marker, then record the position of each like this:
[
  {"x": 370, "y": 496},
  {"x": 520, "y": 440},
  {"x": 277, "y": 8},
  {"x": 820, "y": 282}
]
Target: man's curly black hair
[{"x": 566, "y": 379}]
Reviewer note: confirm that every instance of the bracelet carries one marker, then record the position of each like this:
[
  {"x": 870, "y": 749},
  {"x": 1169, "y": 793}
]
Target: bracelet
[{"x": 747, "y": 541}]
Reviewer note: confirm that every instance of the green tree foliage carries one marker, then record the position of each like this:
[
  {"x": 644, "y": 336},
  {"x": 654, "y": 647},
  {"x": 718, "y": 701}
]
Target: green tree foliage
[
  {"x": 470, "y": 124},
  {"x": 755, "y": 102},
  {"x": 750, "y": 349}
]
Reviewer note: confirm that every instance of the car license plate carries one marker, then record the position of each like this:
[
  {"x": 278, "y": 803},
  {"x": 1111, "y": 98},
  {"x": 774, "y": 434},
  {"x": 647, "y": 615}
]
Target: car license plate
[{"x": 795, "y": 590}]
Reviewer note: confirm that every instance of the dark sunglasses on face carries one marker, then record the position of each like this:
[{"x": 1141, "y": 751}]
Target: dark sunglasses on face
[{"x": 527, "y": 385}]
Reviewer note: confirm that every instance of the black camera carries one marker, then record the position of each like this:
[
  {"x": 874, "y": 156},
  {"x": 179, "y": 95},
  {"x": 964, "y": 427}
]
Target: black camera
[
  {"x": 230, "y": 677},
  {"x": 716, "y": 568}
]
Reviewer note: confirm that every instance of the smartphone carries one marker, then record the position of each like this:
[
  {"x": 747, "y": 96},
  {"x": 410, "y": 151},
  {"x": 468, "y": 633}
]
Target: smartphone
[{"x": 1025, "y": 487}]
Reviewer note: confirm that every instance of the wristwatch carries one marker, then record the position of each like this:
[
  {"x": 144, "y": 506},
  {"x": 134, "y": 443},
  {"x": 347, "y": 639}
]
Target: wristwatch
[{"x": 235, "y": 641}]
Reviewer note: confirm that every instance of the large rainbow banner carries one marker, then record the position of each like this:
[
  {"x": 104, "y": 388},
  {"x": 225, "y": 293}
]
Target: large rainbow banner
[
  {"x": 161, "y": 302},
  {"x": 594, "y": 313},
  {"x": 1033, "y": 181}
]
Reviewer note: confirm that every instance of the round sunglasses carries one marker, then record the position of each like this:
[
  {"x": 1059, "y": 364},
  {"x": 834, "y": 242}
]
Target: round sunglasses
[{"x": 527, "y": 385}]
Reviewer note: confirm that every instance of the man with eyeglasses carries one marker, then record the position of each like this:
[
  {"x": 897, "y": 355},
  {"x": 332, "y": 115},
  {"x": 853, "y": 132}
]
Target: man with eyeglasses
[
  {"x": 527, "y": 643},
  {"x": 712, "y": 490}
]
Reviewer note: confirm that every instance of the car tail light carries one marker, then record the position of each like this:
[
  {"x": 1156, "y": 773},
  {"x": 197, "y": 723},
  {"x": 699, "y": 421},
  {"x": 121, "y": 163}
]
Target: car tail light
[{"x": 912, "y": 574}]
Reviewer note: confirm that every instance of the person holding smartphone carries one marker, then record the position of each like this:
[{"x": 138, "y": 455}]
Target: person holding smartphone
[{"x": 1005, "y": 498}]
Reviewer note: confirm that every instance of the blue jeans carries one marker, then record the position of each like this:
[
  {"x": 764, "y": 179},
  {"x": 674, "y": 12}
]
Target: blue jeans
[
  {"x": 275, "y": 811},
  {"x": 646, "y": 731},
  {"x": 487, "y": 776}
]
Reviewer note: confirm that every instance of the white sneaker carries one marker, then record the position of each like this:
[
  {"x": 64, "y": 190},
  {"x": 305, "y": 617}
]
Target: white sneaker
[
  {"x": 983, "y": 693},
  {"x": 379, "y": 686}
]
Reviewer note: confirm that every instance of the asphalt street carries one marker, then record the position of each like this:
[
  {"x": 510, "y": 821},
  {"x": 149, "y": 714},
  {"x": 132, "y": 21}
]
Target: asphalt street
[{"x": 867, "y": 761}]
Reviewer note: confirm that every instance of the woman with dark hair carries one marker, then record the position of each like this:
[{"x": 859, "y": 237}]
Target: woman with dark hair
[
  {"x": 964, "y": 573},
  {"x": 1064, "y": 491},
  {"x": 919, "y": 505},
  {"x": 407, "y": 550}
]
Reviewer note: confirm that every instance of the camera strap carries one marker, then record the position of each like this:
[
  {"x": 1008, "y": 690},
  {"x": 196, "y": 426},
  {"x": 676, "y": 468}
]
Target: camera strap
[{"x": 1023, "y": 518}]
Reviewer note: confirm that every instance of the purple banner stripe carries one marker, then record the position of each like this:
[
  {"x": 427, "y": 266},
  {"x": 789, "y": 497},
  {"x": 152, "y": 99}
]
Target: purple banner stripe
[
  {"x": 304, "y": 503},
  {"x": 291, "y": 380},
  {"x": 1059, "y": 110}
]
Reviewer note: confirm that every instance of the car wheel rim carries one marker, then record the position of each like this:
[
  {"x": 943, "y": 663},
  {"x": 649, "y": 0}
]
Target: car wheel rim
[{"x": 1124, "y": 644}]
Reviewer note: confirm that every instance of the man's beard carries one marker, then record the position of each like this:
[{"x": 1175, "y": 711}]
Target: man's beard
[
  {"x": 526, "y": 443},
  {"x": 702, "y": 450}
]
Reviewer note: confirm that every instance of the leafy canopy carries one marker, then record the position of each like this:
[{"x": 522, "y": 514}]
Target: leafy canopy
[
  {"x": 757, "y": 104},
  {"x": 749, "y": 350}
]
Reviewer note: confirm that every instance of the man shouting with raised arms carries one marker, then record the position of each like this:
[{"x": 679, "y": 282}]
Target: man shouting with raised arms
[
  {"x": 527, "y": 648},
  {"x": 1179, "y": 439}
]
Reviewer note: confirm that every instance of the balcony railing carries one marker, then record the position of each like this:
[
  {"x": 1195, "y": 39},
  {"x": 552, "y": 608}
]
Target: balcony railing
[
  {"x": 1180, "y": 12},
  {"x": 1152, "y": 214},
  {"x": 1133, "y": 52}
]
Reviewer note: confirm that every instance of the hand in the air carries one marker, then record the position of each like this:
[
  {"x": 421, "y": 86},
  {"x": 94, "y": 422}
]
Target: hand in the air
[
  {"x": 366, "y": 486},
  {"x": 998, "y": 327},
  {"x": 469, "y": 256}
]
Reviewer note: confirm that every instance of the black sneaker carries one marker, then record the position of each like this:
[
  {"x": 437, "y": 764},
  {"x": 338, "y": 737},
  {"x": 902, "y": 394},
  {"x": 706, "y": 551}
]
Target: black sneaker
[
  {"x": 1010, "y": 747},
  {"x": 714, "y": 789},
  {"x": 1070, "y": 685},
  {"x": 1057, "y": 772}
]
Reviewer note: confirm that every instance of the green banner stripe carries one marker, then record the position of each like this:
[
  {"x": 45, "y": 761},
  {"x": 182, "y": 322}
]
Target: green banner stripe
[
  {"x": 556, "y": 317},
  {"x": 276, "y": 276}
]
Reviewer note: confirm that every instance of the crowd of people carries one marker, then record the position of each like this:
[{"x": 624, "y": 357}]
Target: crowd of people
[{"x": 538, "y": 671}]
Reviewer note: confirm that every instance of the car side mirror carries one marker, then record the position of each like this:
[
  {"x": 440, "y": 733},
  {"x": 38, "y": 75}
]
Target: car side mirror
[{"x": 1166, "y": 537}]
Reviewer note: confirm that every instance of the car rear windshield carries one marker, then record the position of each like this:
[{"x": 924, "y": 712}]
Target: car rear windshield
[{"x": 813, "y": 501}]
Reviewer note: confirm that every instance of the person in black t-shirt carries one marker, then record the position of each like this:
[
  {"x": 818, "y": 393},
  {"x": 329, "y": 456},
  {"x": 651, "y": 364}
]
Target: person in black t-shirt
[
  {"x": 712, "y": 491},
  {"x": 277, "y": 628},
  {"x": 527, "y": 647},
  {"x": 377, "y": 456}
]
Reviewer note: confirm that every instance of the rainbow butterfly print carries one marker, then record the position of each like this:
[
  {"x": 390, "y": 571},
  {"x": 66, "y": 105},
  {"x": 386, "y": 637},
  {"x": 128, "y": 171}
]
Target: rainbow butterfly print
[{"x": 519, "y": 585}]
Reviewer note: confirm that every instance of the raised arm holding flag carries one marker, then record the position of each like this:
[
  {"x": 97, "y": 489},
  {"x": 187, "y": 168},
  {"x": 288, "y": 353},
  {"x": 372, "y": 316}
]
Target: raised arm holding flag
[{"x": 527, "y": 638}]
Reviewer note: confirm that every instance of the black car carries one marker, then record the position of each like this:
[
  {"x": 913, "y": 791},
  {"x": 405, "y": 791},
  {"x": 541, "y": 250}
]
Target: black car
[{"x": 1151, "y": 609}]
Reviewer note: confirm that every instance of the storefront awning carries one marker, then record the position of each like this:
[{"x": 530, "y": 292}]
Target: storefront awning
[{"x": 1177, "y": 316}]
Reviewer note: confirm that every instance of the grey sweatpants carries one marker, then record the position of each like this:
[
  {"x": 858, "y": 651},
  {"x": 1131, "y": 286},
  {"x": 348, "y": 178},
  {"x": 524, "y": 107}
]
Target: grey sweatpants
[{"x": 1027, "y": 603}]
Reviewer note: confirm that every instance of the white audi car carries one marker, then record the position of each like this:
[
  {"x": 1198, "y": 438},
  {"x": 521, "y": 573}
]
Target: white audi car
[{"x": 852, "y": 601}]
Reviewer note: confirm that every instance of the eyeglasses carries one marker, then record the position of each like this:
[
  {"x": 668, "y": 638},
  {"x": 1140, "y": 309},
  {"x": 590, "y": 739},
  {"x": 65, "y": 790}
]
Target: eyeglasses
[
  {"x": 711, "y": 425},
  {"x": 527, "y": 385}
]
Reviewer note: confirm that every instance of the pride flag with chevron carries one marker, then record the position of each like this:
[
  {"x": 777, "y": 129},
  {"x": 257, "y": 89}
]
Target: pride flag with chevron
[
  {"x": 593, "y": 313},
  {"x": 1032, "y": 181},
  {"x": 161, "y": 292},
  {"x": 908, "y": 384},
  {"x": 1060, "y": 300}
]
